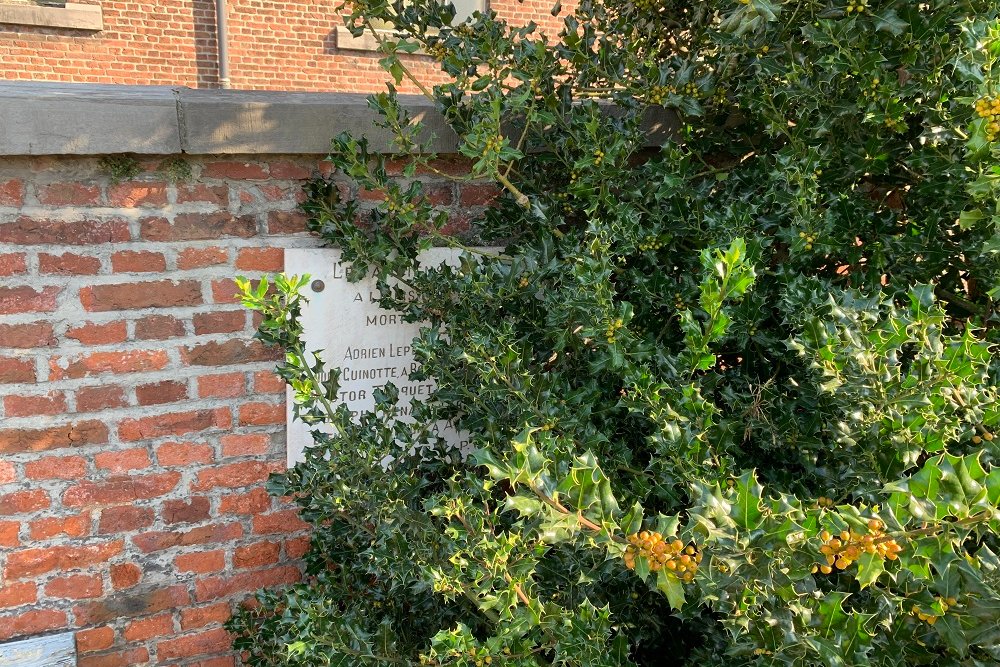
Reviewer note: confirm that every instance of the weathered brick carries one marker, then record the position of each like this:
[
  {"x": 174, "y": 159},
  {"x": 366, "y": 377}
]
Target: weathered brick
[
  {"x": 13, "y": 369},
  {"x": 201, "y": 562},
  {"x": 138, "y": 261},
  {"x": 219, "y": 661},
  {"x": 285, "y": 521},
  {"x": 158, "y": 327},
  {"x": 120, "y": 489},
  {"x": 123, "y": 460},
  {"x": 227, "y": 321},
  {"x": 74, "y": 525},
  {"x": 52, "y": 403},
  {"x": 286, "y": 222},
  {"x": 199, "y": 617},
  {"x": 147, "y": 628},
  {"x": 266, "y": 382},
  {"x": 69, "y": 263},
  {"x": 198, "y": 227},
  {"x": 123, "y": 519},
  {"x": 226, "y": 385},
  {"x": 160, "y": 540},
  {"x": 7, "y": 472},
  {"x": 17, "y": 594},
  {"x": 478, "y": 194},
  {"x": 25, "y": 299},
  {"x": 183, "y": 454},
  {"x": 69, "y": 194},
  {"x": 99, "y": 334},
  {"x": 91, "y": 399},
  {"x": 288, "y": 170},
  {"x": 191, "y": 510},
  {"x": 253, "y": 444},
  {"x": 12, "y": 192},
  {"x": 95, "y": 639},
  {"x": 233, "y": 475},
  {"x": 56, "y": 467},
  {"x": 36, "y": 440},
  {"x": 238, "y": 171},
  {"x": 178, "y": 423},
  {"x": 197, "y": 258},
  {"x": 252, "y": 502},
  {"x": 124, "y": 658},
  {"x": 131, "y": 604},
  {"x": 131, "y": 195},
  {"x": 30, "y": 231},
  {"x": 32, "y": 562},
  {"x": 228, "y": 353},
  {"x": 13, "y": 263},
  {"x": 256, "y": 555},
  {"x": 125, "y": 575},
  {"x": 214, "y": 588},
  {"x": 261, "y": 414},
  {"x": 439, "y": 195},
  {"x": 22, "y": 502},
  {"x": 31, "y": 622},
  {"x": 9, "y": 533},
  {"x": 167, "y": 391},
  {"x": 132, "y": 296},
  {"x": 98, "y": 363},
  {"x": 207, "y": 194},
  {"x": 260, "y": 259},
  {"x": 75, "y": 587},
  {"x": 297, "y": 547},
  {"x": 226, "y": 291}
]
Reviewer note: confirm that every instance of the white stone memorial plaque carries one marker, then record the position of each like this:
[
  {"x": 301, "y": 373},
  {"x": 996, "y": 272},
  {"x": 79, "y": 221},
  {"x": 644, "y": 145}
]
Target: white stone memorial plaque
[
  {"x": 49, "y": 651},
  {"x": 370, "y": 345}
]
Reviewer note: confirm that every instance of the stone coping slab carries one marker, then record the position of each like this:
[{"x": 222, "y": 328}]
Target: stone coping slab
[{"x": 90, "y": 119}]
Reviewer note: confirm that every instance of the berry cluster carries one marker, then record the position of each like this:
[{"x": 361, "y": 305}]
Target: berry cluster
[
  {"x": 857, "y": 6},
  {"x": 659, "y": 93},
  {"x": 808, "y": 238},
  {"x": 437, "y": 51},
  {"x": 598, "y": 157},
  {"x": 987, "y": 436},
  {"x": 680, "y": 560},
  {"x": 690, "y": 89},
  {"x": 931, "y": 619},
  {"x": 613, "y": 328},
  {"x": 823, "y": 501},
  {"x": 651, "y": 243},
  {"x": 402, "y": 209},
  {"x": 842, "y": 550},
  {"x": 493, "y": 145},
  {"x": 989, "y": 108}
]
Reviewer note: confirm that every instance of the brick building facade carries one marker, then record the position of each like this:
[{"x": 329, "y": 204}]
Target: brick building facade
[{"x": 283, "y": 45}]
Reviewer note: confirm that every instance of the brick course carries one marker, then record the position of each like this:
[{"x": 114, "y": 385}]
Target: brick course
[{"x": 138, "y": 418}]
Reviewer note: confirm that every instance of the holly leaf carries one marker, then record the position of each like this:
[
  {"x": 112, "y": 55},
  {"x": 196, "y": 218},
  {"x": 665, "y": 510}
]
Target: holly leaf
[
  {"x": 870, "y": 566},
  {"x": 671, "y": 587}
]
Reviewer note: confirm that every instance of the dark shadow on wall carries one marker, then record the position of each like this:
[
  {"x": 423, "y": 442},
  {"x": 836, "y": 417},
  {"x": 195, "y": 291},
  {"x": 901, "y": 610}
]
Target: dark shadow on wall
[{"x": 205, "y": 44}]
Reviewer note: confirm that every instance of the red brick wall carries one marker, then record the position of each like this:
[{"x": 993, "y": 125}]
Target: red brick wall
[
  {"x": 283, "y": 45},
  {"x": 138, "y": 420}
]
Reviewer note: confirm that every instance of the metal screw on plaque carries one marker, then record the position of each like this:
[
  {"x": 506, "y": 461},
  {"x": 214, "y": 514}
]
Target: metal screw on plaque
[{"x": 318, "y": 286}]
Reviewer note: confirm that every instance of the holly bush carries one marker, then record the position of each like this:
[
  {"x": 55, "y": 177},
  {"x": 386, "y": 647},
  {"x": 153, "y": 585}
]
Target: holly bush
[{"x": 730, "y": 397}]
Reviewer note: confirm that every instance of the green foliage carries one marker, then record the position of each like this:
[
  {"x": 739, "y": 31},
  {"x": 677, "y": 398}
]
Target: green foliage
[
  {"x": 176, "y": 169},
  {"x": 767, "y": 346},
  {"x": 119, "y": 167}
]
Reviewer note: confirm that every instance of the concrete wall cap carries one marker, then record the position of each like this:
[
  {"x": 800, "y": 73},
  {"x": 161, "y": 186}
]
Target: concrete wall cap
[{"x": 89, "y": 119}]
